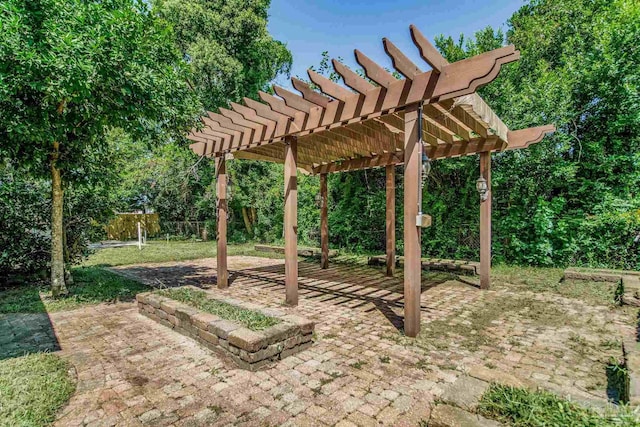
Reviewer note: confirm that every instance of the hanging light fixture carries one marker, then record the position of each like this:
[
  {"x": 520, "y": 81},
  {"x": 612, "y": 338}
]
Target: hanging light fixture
[
  {"x": 483, "y": 188},
  {"x": 426, "y": 167}
]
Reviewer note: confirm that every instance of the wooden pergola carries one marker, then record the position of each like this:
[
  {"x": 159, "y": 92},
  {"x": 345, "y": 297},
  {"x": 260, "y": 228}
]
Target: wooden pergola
[{"x": 373, "y": 122}]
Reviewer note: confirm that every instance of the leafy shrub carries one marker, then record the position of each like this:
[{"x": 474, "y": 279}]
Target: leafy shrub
[
  {"x": 24, "y": 225},
  {"x": 25, "y": 213}
]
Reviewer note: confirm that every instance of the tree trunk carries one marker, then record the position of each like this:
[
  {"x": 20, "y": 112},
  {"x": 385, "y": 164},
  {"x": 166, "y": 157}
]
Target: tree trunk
[
  {"x": 58, "y": 286},
  {"x": 254, "y": 215},
  {"x": 247, "y": 221},
  {"x": 68, "y": 278}
]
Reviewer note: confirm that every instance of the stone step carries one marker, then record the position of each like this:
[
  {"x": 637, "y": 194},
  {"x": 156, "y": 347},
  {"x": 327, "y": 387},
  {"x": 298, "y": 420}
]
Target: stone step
[
  {"x": 597, "y": 274},
  {"x": 437, "y": 264},
  {"x": 631, "y": 288}
]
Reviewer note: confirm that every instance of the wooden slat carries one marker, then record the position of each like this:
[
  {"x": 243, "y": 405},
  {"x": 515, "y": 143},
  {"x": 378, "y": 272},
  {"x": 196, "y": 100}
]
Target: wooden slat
[
  {"x": 525, "y": 137},
  {"x": 330, "y": 88},
  {"x": 265, "y": 111},
  {"x": 361, "y": 163},
  {"x": 439, "y": 115},
  {"x": 227, "y": 123},
  {"x": 260, "y": 130},
  {"x": 400, "y": 61},
  {"x": 297, "y": 117},
  {"x": 373, "y": 71},
  {"x": 463, "y": 115},
  {"x": 351, "y": 79},
  {"x": 309, "y": 94},
  {"x": 476, "y": 114},
  {"x": 251, "y": 115},
  {"x": 428, "y": 52},
  {"x": 441, "y": 151},
  {"x": 466, "y": 76},
  {"x": 239, "y": 136},
  {"x": 433, "y": 133}
]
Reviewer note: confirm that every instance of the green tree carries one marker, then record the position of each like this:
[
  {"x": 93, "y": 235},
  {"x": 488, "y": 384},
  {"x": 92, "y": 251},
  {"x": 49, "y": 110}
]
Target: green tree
[
  {"x": 231, "y": 53},
  {"x": 171, "y": 181},
  {"x": 580, "y": 70},
  {"x": 72, "y": 70}
]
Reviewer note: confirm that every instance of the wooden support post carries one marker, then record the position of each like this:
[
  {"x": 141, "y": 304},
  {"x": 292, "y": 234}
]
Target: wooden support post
[
  {"x": 221, "y": 193},
  {"x": 412, "y": 247},
  {"x": 324, "y": 223},
  {"x": 485, "y": 223},
  {"x": 291, "y": 221},
  {"x": 391, "y": 219}
]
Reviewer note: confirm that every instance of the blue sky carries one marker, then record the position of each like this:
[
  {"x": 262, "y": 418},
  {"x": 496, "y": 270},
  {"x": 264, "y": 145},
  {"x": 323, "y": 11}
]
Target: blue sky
[{"x": 339, "y": 26}]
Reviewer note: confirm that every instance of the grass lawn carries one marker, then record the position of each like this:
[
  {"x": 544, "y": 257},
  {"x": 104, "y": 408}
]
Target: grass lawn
[
  {"x": 163, "y": 251},
  {"x": 251, "y": 319},
  {"x": 525, "y": 408},
  {"x": 32, "y": 389},
  {"x": 538, "y": 279},
  {"x": 92, "y": 285},
  {"x": 95, "y": 285}
]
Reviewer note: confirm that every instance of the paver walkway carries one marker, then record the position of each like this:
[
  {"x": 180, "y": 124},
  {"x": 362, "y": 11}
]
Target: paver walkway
[{"x": 132, "y": 371}]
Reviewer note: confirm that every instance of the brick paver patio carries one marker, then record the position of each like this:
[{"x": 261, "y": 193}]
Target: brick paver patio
[{"x": 360, "y": 371}]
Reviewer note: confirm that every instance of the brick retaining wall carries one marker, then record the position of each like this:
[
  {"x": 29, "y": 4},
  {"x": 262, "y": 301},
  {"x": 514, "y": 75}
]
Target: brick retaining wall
[{"x": 248, "y": 349}]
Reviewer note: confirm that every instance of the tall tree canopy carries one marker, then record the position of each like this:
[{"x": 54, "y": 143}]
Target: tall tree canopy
[
  {"x": 72, "y": 70},
  {"x": 231, "y": 53}
]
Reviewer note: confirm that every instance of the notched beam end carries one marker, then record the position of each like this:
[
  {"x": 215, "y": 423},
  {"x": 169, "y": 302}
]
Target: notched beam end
[
  {"x": 351, "y": 79},
  {"x": 329, "y": 87},
  {"x": 308, "y": 93},
  {"x": 374, "y": 71},
  {"x": 523, "y": 138},
  {"x": 468, "y": 75},
  {"x": 400, "y": 61},
  {"x": 428, "y": 52}
]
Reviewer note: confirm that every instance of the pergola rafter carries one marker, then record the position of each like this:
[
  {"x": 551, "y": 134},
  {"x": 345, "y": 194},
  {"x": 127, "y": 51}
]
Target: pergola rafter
[{"x": 373, "y": 120}]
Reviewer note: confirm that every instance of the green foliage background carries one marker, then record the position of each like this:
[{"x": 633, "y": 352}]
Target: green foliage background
[
  {"x": 569, "y": 200},
  {"x": 572, "y": 199}
]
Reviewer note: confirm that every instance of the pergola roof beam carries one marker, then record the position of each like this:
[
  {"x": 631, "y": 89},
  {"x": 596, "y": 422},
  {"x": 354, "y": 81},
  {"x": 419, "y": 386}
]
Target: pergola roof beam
[
  {"x": 374, "y": 71},
  {"x": 252, "y": 116},
  {"x": 229, "y": 118},
  {"x": 428, "y": 52},
  {"x": 351, "y": 78},
  {"x": 278, "y": 105},
  {"x": 453, "y": 114},
  {"x": 243, "y": 136},
  {"x": 308, "y": 94},
  {"x": 283, "y": 122},
  {"x": 400, "y": 61}
]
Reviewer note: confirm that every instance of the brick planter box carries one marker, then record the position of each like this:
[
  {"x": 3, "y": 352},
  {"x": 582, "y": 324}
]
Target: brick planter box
[{"x": 249, "y": 349}]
